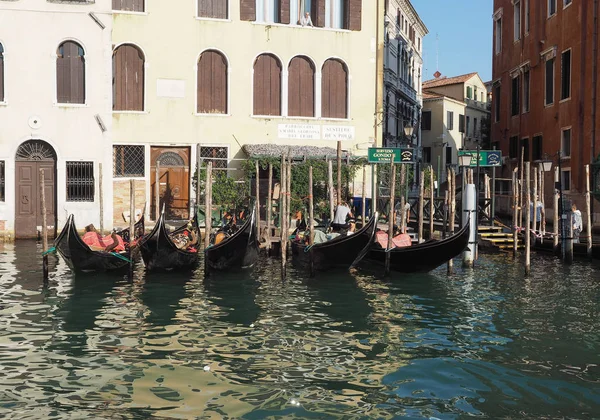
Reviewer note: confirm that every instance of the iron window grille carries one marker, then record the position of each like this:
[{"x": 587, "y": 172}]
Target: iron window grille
[
  {"x": 216, "y": 155},
  {"x": 2, "y": 181},
  {"x": 80, "y": 181},
  {"x": 128, "y": 161}
]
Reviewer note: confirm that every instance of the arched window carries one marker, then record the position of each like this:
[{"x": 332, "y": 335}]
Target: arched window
[
  {"x": 334, "y": 89},
  {"x": 70, "y": 73},
  {"x": 1, "y": 73},
  {"x": 212, "y": 83},
  {"x": 301, "y": 88},
  {"x": 128, "y": 78},
  {"x": 267, "y": 85}
]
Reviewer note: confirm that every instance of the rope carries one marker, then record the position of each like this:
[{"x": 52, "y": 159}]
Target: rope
[
  {"x": 121, "y": 257},
  {"x": 49, "y": 251},
  {"x": 306, "y": 249}
]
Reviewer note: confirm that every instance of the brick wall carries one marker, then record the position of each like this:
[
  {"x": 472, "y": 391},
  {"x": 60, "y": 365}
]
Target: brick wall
[{"x": 121, "y": 199}]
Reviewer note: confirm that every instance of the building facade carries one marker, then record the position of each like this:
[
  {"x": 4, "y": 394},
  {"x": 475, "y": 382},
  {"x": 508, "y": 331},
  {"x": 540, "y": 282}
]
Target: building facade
[
  {"x": 454, "y": 111},
  {"x": 545, "y": 90},
  {"x": 55, "y": 112},
  {"x": 403, "y": 69}
]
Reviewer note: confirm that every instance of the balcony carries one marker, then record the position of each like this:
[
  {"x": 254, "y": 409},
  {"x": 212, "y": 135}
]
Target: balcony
[
  {"x": 407, "y": 90},
  {"x": 476, "y": 104}
]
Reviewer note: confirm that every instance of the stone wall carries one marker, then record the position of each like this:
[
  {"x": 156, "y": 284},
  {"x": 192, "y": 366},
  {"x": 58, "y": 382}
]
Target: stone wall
[{"x": 121, "y": 199}]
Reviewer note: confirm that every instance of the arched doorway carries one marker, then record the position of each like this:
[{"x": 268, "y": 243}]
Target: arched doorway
[
  {"x": 173, "y": 181},
  {"x": 32, "y": 156}
]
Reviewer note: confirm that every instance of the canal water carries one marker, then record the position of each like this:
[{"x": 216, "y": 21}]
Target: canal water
[{"x": 483, "y": 342}]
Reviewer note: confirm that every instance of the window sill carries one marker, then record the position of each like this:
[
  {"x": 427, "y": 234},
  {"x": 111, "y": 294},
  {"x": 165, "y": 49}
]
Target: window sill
[
  {"x": 60, "y": 105},
  {"x": 201, "y": 114},
  {"x": 3, "y": 103},
  {"x": 131, "y": 112},
  {"x": 549, "y": 105},
  {"x": 209, "y": 19},
  {"x": 289, "y": 25},
  {"x": 551, "y": 16},
  {"x": 525, "y": 112},
  {"x": 297, "y": 117},
  {"x": 564, "y": 100},
  {"x": 334, "y": 119},
  {"x": 516, "y": 41},
  {"x": 128, "y": 12},
  {"x": 567, "y": 5}
]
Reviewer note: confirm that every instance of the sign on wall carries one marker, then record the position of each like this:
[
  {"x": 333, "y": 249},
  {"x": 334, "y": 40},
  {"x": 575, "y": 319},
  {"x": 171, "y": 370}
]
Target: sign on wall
[
  {"x": 316, "y": 132},
  {"x": 384, "y": 155},
  {"x": 170, "y": 88},
  {"x": 486, "y": 157},
  {"x": 338, "y": 132}
]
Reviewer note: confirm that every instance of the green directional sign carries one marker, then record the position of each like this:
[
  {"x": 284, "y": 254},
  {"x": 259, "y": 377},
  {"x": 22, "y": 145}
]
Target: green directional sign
[
  {"x": 487, "y": 158},
  {"x": 384, "y": 154}
]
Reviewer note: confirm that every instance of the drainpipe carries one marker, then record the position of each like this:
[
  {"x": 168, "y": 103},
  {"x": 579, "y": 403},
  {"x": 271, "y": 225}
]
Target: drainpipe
[{"x": 594, "y": 86}]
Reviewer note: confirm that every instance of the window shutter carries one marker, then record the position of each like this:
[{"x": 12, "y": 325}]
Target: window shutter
[
  {"x": 63, "y": 94},
  {"x": 301, "y": 88},
  {"x": 334, "y": 90},
  {"x": 248, "y": 10},
  {"x": 77, "y": 81},
  {"x": 355, "y": 14},
  {"x": 212, "y": 83},
  {"x": 318, "y": 13},
  {"x": 284, "y": 11},
  {"x": 267, "y": 86},
  {"x": 461, "y": 123}
]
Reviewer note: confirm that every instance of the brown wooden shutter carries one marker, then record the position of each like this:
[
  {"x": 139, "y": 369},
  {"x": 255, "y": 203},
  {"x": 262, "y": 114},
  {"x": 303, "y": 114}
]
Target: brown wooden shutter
[
  {"x": 354, "y": 15},
  {"x": 128, "y": 79},
  {"x": 334, "y": 90},
  {"x": 248, "y": 10},
  {"x": 284, "y": 11},
  {"x": 301, "y": 88},
  {"x": 212, "y": 83},
  {"x": 220, "y": 9},
  {"x": 77, "y": 66},
  {"x": 267, "y": 86},
  {"x": 63, "y": 91},
  {"x": 204, "y": 8},
  {"x": 128, "y": 5},
  {"x": 318, "y": 13}
]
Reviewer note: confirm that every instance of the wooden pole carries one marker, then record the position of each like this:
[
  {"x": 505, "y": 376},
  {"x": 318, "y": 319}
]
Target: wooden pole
[
  {"x": 486, "y": 193},
  {"x": 311, "y": 228},
  {"x": 452, "y": 212},
  {"x": 208, "y": 205},
  {"x": 364, "y": 196},
  {"x": 543, "y": 199},
  {"x": 421, "y": 204},
  {"x": 257, "y": 204},
  {"x": 555, "y": 220},
  {"x": 269, "y": 208},
  {"x": 445, "y": 220},
  {"x": 391, "y": 215},
  {"x": 288, "y": 195},
  {"x": 431, "y": 204},
  {"x": 330, "y": 190},
  {"x": 44, "y": 227},
  {"x": 131, "y": 224},
  {"x": 101, "y": 198},
  {"x": 283, "y": 224},
  {"x": 339, "y": 171},
  {"x": 534, "y": 199},
  {"x": 515, "y": 188},
  {"x": 588, "y": 211},
  {"x": 402, "y": 200},
  {"x": 157, "y": 192},
  {"x": 527, "y": 220},
  {"x": 521, "y": 189}
]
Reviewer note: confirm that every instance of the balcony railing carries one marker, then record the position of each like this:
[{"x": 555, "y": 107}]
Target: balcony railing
[{"x": 476, "y": 104}]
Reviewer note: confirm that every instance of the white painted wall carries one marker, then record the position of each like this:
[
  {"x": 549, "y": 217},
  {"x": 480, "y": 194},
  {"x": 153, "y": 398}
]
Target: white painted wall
[{"x": 31, "y": 31}]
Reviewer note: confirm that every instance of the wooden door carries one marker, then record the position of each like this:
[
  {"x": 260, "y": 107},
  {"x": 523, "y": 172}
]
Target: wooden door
[
  {"x": 28, "y": 217},
  {"x": 173, "y": 181}
]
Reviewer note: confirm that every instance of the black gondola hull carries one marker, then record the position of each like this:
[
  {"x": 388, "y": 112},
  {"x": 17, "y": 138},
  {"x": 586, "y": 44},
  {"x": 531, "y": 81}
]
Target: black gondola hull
[
  {"x": 340, "y": 252},
  {"x": 421, "y": 258}
]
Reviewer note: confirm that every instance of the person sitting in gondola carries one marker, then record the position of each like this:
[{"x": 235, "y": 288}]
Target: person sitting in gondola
[
  {"x": 342, "y": 212},
  {"x": 108, "y": 243},
  {"x": 187, "y": 238}
]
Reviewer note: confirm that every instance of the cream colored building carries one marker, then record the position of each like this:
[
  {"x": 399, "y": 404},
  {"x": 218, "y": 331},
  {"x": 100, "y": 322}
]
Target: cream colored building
[
  {"x": 55, "y": 112},
  {"x": 233, "y": 73}
]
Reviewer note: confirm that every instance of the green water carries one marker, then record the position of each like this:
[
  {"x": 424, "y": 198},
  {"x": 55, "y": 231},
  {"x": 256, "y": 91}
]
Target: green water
[{"x": 483, "y": 342}]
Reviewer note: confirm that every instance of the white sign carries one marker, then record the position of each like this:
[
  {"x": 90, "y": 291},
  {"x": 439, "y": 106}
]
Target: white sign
[
  {"x": 169, "y": 88},
  {"x": 338, "y": 132},
  {"x": 299, "y": 131}
]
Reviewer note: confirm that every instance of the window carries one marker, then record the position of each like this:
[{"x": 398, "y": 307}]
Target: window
[
  {"x": 450, "y": 120},
  {"x": 549, "y": 99},
  {"x": 80, "y": 181},
  {"x": 551, "y": 7},
  {"x": 565, "y": 143},
  {"x": 128, "y": 161},
  {"x": 469, "y": 92},
  {"x": 216, "y": 9},
  {"x": 566, "y": 3},
  {"x": 426, "y": 120},
  {"x": 498, "y": 38},
  {"x": 526, "y": 89},
  {"x": 497, "y": 101},
  {"x": 427, "y": 154},
  {"x": 70, "y": 73},
  {"x": 517, "y": 20},
  {"x": 566, "y": 179},
  {"x": 2, "y": 181},
  {"x": 536, "y": 152},
  {"x": 212, "y": 83},
  {"x": 475, "y": 132},
  {"x": 128, "y": 5},
  {"x": 527, "y": 16},
  {"x": 218, "y": 155},
  {"x": 128, "y": 78},
  {"x": 525, "y": 149},
  {"x": 1, "y": 73},
  {"x": 334, "y": 89},
  {"x": 301, "y": 87},
  {"x": 272, "y": 11},
  {"x": 449, "y": 155},
  {"x": 513, "y": 147},
  {"x": 475, "y": 92},
  {"x": 267, "y": 85},
  {"x": 461, "y": 123},
  {"x": 565, "y": 79},
  {"x": 514, "y": 104},
  {"x": 467, "y": 123}
]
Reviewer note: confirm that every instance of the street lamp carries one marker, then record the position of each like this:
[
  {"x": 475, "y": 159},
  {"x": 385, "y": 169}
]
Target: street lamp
[{"x": 408, "y": 131}]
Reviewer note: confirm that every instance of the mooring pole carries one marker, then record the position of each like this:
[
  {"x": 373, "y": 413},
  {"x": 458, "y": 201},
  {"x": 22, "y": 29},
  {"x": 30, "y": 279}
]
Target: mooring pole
[
  {"x": 330, "y": 190},
  {"x": 421, "y": 204},
  {"x": 527, "y": 220},
  {"x": 588, "y": 211},
  {"x": 431, "y": 204},
  {"x": 208, "y": 204},
  {"x": 44, "y": 227},
  {"x": 269, "y": 207},
  {"x": 402, "y": 200},
  {"x": 339, "y": 172},
  {"x": 157, "y": 191},
  {"x": 131, "y": 225},
  {"x": 283, "y": 224},
  {"x": 373, "y": 191},
  {"x": 555, "y": 220},
  {"x": 515, "y": 188},
  {"x": 257, "y": 204},
  {"x": 311, "y": 228},
  {"x": 452, "y": 212},
  {"x": 101, "y": 198},
  {"x": 364, "y": 197},
  {"x": 390, "y": 215}
]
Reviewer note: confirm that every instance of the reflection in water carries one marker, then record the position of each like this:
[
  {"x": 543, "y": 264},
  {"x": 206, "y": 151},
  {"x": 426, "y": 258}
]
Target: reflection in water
[{"x": 247, "y": 345}]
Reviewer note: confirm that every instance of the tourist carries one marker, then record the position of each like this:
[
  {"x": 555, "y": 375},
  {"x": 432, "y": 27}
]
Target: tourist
[
  {"x": 342, "y": 212},
  {"x": 577, "y": 223},
  {"x": 306, "y": 20}
]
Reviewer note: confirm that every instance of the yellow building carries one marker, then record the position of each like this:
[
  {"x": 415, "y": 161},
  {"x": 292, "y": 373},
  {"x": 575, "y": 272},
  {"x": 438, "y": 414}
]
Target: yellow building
[{"x": 229, "y": 73}]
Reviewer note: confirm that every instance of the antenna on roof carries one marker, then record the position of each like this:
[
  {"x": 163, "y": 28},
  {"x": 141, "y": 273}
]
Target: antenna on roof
[{"x": 437, "y": 52}]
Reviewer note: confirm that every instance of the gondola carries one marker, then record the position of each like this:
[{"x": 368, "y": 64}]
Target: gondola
[
  {"x": 421, "y": 258},
  {"x": 240, "y": 250},
  {"x": 343, "y": 251},
  {"x": 82, "y": 259},
  {"x": 160, "y": 253}
]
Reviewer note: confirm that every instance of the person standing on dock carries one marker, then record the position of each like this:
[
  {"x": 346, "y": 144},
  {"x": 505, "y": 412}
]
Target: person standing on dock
[{"x": 577, "y": 223}]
